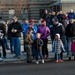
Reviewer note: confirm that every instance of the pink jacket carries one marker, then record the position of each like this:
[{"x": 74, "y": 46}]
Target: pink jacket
[{"x": 73, "y": 47}]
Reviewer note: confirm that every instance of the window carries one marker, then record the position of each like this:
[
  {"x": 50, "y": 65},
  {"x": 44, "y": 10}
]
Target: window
[
  {"x": 0, "y": 13},
  {"x": 11, "y": 13},
  {"x": 24, "y": 14}
]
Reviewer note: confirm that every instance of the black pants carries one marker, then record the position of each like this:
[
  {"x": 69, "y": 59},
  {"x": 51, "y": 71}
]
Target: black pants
[
  {"x": 3, "y": 48},
  {"x": 44, "y": 47}
]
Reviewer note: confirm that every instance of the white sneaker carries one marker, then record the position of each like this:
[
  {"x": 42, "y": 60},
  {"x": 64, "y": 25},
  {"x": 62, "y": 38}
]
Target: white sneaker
[
  {"x": 43, "y": 61},
  {"x": 37, "y": 62},
  {"x": 1, "y": 59}
]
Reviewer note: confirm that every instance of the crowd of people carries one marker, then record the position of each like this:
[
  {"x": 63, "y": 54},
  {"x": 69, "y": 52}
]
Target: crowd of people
[{"x": 59, "y": 26}]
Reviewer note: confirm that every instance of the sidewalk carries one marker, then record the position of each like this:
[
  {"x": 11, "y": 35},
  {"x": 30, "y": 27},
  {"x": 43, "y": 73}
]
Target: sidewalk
[{"x": 22, "y": 60}]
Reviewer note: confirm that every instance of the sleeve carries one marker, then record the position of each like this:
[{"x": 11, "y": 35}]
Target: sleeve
[
  {"x": 62, "y": 46},
  {"x": 35, "y": 30},
  {"x": 20, "y": 28}
]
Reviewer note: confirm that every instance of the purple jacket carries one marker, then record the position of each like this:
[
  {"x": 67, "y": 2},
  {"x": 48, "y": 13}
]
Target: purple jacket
[{"x": 44, "y": 31}]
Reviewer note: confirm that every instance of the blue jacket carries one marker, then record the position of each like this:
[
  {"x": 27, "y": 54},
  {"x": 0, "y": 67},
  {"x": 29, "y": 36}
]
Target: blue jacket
[
  {"x": 25, "y": 28},
  {"x": 34, "y": 32},
  {"x": 71, "y": 15}
]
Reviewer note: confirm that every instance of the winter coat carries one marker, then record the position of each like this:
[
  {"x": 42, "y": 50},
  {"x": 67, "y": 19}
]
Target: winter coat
[
  {"x": 59, "y": 28},
  {"x": 71, "y": 15},
  {"x": 16, "y": 26},
  {"x": 38, "y": 44},
  {"x": 60, "y": 17},
  {"x": 2, "y": 31},
  {"x": 25, "y": 28},
  {"x": 28, "y": 39},
  {"x": 70, "y": 30},
  {"x": 44, "y": 31},
  {"x": 57, "y": 46}
]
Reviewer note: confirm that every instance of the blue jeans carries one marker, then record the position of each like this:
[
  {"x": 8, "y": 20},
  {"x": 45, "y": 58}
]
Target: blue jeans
[
  {"x": 69, "y": 40},
  {"x": 58, "y": 56},
  {"x": 6, "y": 42},
  {"x": 39, "y": 53},
  {"x": 16, "y": 44}
]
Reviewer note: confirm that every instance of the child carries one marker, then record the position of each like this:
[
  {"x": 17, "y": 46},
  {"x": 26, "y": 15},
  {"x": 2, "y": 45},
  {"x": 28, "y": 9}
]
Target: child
[
  {"x": 28, "y": 45},
  {"x": 38, "y": 47},
  {"x": 73, "y": 48},
  {"x": 58, "y": 47}
]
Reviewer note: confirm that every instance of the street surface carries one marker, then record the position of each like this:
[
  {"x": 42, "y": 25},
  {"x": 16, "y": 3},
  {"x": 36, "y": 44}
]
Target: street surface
[{"x": 49, "y": 68}]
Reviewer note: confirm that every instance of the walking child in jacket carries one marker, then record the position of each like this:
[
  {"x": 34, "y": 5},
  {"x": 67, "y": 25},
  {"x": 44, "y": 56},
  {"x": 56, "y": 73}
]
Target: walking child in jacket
[
  {"x": 38, "y": 47},
  {"x": 28, "y": 45},
  {"x": 58, "y": 47},
  {"x": 73, "y": 47}
]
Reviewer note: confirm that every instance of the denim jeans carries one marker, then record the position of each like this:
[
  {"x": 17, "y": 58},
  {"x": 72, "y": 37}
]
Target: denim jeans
[
  {"x": 6, "y": 42},
  {"x": 69, "y": 40},
  {"x": 17, "y": 46},
  {"x": 58, "y": 56},
  {"x": 39, "y": 53}
]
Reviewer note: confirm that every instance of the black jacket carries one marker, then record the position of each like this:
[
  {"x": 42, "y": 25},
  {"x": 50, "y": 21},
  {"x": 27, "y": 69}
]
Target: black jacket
[
  {"x": 70, "y": 30},
  {"x": 57, "y": 29},
  {"x": 16, "y": 26}
]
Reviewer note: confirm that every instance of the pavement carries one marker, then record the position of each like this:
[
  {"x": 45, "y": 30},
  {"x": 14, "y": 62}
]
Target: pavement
[{"x": 9, "y": 59}]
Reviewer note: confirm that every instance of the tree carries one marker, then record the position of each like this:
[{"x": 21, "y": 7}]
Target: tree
[{"x": 19, "y": 5}]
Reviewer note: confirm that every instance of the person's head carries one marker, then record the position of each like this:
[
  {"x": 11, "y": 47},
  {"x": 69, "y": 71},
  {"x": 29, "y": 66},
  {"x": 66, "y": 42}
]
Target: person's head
[
  {"x": 60, "y": 12},
  {"x": 46, "y": 11},
  {"x": 30, "y": 30},
  {"x": 32, "y": 21},
  {"x": 38, "y": 35},
  {"x": 71, "y": 20},
  {"x": 71, "y": 11},
  {"x": 55, "y": 21},
  {"x": 26, "y": 21},
  {"x": 6, "y": 23},
  {"x": 15, "y": 19},
  {"x": 53, "y": 13},
  {"x": 73, "y": 40},
  {"x": 57, "y": 36},
  {"x": 43, "y": 22}
]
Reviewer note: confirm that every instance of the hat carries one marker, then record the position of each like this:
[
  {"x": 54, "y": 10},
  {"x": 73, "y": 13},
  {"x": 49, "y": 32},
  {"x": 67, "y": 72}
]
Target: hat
[
  {"x": 58, "y": 35},
  {"x": 14, "y": 17},
  {"x": 43, "y": 21},
  {"x": 32, "y": 20},
  {"x": 55, "y": 19}
]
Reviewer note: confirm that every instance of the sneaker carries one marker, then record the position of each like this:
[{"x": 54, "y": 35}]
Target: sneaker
[
  {"x": 1, "y": 59},
  {"x": 37, "y": 62},
  {"x": 18, "y": 57},
  {"x": 43, "y": 61},
  {"x": 61, "y": 61},
  {"x": 57, "y": 61}
]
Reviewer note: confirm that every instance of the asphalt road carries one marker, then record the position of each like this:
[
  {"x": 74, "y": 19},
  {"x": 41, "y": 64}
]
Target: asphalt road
[{"x": 50, "y": 68}]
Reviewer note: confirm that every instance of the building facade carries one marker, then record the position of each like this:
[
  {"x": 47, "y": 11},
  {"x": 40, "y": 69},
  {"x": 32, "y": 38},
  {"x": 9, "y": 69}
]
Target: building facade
[{"x": 32, "y": 8}]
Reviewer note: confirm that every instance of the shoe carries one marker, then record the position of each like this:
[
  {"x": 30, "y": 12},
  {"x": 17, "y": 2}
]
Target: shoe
[
  {"x": 1, "y": 59},
  {"x": 43, "y": 61},
  {"x": 57, "y": 61},
  {"x": 23, "y": 51},
  {"x": 15, "y": 57},
  {"x": 37, "y": 62},
  {"x": 61, "y": 61},
  {"x": 18, "y": 57},
  {"x": 69, "y": 58}
]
